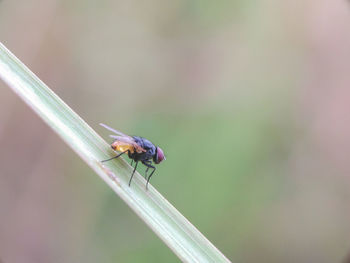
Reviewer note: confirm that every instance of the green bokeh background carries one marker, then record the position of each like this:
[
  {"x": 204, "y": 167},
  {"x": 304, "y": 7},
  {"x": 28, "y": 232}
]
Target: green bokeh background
[{"x": 247, "y": 99}]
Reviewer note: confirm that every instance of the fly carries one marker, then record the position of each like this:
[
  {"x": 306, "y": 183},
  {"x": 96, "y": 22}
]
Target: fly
[{"x": 138, "y": 149}]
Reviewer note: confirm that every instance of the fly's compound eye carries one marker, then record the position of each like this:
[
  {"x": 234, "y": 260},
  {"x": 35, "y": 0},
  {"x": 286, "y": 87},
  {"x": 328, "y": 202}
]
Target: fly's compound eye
[{"x": 159, "y": 156}]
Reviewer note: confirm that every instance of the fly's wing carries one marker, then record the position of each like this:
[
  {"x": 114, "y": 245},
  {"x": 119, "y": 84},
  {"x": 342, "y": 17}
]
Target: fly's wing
[
  {"x": 123, "y": 141},
  {"x": 126, "y": 142},
  {"x": 114, "y": 131}
]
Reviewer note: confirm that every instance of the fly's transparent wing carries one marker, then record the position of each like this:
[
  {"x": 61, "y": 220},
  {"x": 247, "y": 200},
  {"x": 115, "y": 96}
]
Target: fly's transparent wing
[
  {"x": 113, "y": 130},
  {"x": 127, "y": 141},
  {"x": 124, "y": 139}
]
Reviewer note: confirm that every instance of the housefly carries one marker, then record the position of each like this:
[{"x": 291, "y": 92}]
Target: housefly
[{"x": 138, "y": 149}]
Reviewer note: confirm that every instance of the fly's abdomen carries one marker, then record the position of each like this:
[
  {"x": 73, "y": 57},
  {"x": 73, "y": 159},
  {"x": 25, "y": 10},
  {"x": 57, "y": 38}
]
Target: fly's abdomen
[{"x": 122, "y": 147}]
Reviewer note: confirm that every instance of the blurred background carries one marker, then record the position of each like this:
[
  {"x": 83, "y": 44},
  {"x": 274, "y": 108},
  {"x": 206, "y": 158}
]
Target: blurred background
[{"x": 248, "y": 99}]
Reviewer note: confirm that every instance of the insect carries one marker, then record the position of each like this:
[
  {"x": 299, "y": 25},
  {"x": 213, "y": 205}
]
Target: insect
[{"x": 138, "y": 149}]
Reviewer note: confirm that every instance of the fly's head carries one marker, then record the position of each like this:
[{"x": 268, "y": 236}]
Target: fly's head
[{"x": 159, "y": 156}]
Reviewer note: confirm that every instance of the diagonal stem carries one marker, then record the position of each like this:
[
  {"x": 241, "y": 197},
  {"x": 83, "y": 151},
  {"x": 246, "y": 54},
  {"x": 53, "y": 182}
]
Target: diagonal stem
[{"x": 172, "y": 227}]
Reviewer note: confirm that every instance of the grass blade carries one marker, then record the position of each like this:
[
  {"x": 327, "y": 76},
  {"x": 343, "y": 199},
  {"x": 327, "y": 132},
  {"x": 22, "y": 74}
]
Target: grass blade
[{"x": 177, "y": 232}]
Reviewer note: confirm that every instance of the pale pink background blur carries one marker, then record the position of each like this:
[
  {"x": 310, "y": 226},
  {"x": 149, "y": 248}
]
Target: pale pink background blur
[{"x": 260, "y": 90}]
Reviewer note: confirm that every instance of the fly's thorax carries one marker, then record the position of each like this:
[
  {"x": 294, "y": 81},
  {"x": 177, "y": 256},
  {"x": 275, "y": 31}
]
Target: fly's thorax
[{"x": 146, "y": 144}]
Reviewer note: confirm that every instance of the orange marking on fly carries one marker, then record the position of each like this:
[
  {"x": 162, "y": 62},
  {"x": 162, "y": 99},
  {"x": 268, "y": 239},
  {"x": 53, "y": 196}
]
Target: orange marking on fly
[
  {"x": 138, "y": 149},
  {"x": 121, "y": 146}
]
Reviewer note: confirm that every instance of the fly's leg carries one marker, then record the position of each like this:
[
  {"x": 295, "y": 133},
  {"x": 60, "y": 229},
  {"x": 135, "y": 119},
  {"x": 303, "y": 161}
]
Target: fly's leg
[
  {"x": 132, "y": 162},
  {"x": 149, "y": 177},
  {"x": 148, "y": 164},
  {"x": 145, "y": 163},
  {"x": 115, "y": 157},
  {"x": 133, "y": 172}
]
